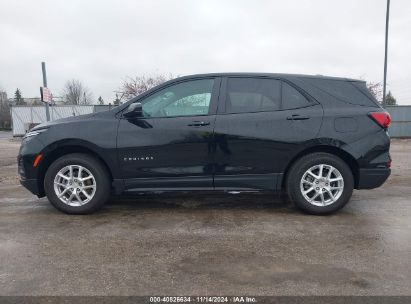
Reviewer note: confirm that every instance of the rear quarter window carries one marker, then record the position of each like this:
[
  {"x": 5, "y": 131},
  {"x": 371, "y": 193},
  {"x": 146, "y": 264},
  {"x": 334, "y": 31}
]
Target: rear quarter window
[
  {"x": 292, "y": 98},
  {"x": 353, "y": 92}
]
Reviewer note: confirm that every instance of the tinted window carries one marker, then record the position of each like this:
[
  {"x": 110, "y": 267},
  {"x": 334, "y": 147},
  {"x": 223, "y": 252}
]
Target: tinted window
[
  {"x": 362, "y": 86},
  {"x": 342, "y": 90},
  {"x": 292, "y": 98},
  {"x": 184, "y": 99},
  {"x": 252, "y": 95}
]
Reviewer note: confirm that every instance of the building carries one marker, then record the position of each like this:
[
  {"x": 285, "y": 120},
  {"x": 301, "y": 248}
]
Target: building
[
  {"x": 5, "y": 117},
  {"x": 3, "y": 97}
]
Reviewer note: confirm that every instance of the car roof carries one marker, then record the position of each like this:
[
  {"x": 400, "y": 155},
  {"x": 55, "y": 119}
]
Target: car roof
[
  {"x": 279, "y": 75},
  {"x": 233, "y": 74}
]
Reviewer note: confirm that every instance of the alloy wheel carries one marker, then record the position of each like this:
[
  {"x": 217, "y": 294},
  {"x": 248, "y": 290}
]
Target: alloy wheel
[
  {"x": 75, "y": 185},
  {"x": 322, "y": 185}
]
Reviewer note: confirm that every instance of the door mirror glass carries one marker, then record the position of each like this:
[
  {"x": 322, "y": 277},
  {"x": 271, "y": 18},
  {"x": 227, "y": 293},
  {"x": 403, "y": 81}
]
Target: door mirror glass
[{"x": 134, "y": 110}]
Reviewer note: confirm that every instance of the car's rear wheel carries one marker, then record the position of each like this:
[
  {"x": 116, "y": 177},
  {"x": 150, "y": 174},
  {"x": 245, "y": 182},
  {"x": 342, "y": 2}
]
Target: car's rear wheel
[
  {"x": 77, "y": 184},
  {"x": 320, "y": 183}
]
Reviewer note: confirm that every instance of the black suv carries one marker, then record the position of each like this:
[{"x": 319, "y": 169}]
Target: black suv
[{"x": 316, "y": 137}]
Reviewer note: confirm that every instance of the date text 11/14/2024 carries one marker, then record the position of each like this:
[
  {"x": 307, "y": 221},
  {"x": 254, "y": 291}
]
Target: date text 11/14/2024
[{"x": 203, "y": 299}]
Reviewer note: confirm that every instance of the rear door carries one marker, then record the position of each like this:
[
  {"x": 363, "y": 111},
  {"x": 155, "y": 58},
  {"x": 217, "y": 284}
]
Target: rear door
[
  {"x": 169, "y": 147},
  {"x": 262, "y": 123}
]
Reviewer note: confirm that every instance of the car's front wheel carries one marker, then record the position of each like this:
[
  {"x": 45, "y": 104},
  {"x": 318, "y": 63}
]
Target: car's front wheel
[
  {"x": 77, "y": 184},
  {"x": 320, "y": 183}
]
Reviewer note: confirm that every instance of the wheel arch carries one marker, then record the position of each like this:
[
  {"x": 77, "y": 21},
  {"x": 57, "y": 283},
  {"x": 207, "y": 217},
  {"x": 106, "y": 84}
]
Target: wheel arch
[
  {"x": 344, "y": 155},
  {"x": 56, "y": 151}
]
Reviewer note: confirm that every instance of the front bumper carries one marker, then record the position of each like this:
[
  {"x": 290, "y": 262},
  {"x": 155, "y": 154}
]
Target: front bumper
[
  {"x": 27, "y": 175},
  {"x": 372, "y": 178},
  {"x": 29, "y": 149},
  {"x": 31, "y": 185}
]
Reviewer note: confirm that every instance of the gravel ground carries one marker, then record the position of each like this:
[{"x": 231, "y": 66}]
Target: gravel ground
[
  {"x": 191, "y": 244},
  {"x": 6, "y": 135}
]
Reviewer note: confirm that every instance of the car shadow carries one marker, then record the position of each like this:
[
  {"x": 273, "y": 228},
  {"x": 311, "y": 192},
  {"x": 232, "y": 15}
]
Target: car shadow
[{"x": 203, "y": 200}]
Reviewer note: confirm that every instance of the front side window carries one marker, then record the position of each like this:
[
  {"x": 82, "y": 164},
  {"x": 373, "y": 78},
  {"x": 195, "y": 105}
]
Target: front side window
[
  {"x": 188, "y": 98},
  {"x": 252, "y": 95}
]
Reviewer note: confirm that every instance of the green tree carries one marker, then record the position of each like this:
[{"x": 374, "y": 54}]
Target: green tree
[
  {"x": 390, "y": 100},
  {"x": 18, "y": 97},
  {"x": 100, "y": 101}
]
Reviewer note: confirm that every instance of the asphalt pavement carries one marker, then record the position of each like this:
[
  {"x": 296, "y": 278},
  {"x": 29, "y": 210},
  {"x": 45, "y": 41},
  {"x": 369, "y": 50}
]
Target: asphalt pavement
[{"x": 207, "y": 244}]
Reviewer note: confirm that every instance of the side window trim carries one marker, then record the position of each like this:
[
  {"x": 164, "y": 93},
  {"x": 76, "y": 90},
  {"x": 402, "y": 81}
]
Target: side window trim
[
  {"x": 307, "y": 96},
  {"x": 222, "y": 96},
  {"x": 213, "y": 101},
  {"x": 212, "y": 110}
]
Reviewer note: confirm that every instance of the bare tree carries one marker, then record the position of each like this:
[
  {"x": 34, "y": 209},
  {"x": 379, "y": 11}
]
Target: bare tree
[
  {"x": 5, "y": 117},
  {"x": 133, "y": 86},
  {"x": 117, "y": 100},
  {"x": 76, "y": 93},
  {"x": 375, "y": 89}
]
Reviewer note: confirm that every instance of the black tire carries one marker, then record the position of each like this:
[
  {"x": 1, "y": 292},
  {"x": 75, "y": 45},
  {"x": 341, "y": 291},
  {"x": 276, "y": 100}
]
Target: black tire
[
  {"x": 97, "y": 169},
  {"x": 306, "y": 162}
]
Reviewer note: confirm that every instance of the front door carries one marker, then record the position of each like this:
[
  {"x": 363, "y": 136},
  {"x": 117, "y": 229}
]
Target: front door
[{"x": 169, "y": 147}]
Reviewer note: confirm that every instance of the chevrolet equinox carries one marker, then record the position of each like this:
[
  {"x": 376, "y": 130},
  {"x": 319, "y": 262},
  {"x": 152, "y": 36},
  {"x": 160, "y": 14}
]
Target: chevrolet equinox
[{"x": 316, "y": 137}]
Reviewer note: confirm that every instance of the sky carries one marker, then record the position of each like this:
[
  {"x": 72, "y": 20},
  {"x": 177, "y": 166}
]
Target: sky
[{"x": 102, "y": 42}]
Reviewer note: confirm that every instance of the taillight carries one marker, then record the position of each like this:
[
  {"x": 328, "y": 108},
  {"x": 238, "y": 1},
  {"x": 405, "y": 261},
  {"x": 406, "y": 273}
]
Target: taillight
[{"x": 381, "y": 118}]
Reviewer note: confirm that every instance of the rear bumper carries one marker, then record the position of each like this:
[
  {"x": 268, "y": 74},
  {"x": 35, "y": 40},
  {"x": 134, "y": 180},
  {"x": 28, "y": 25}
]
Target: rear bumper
[
  {"x": 372, "y": 178},
  {"x": 31, "y": 185}
]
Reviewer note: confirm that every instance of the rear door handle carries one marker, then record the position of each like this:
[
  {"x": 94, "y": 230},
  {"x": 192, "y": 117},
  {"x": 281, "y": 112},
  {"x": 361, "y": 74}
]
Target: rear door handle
[
  {"x": 199, "y": 124},
  {"x": 297, "y": 117}
]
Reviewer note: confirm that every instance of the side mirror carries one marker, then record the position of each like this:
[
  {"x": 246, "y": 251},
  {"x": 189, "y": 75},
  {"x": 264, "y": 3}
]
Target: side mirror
[{"x": 134, "y": 110}]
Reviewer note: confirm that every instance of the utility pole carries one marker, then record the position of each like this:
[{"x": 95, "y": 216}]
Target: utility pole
[
  {"x": 387, "y": 19},
  {"x": 43, "y": 68}
]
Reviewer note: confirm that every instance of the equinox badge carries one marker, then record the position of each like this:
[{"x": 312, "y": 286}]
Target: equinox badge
[{"x": 138, "y": 158}]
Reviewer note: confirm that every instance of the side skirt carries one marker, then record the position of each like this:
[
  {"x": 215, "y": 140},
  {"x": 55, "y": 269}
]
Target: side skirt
[
  {"x": 242, "y": 182},
  {"x": 249, "y": 181},
  {"x": 175, "y": 183}
]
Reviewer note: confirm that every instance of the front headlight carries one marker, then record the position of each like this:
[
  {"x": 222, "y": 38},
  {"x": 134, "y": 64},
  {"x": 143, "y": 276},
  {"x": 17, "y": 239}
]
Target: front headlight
[{"x": 34, "y": 133}]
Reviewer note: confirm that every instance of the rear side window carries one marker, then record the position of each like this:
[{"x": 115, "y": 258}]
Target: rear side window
[
  {"x": 345, "y": 91},
  {"x": 253, "y": 95},
  {"x": 261, "y": 95}
]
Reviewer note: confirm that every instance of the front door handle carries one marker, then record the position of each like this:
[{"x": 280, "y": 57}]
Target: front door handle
[
  {"x": 199, "y": 124},
  {"x": 297, "y": 117}
]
